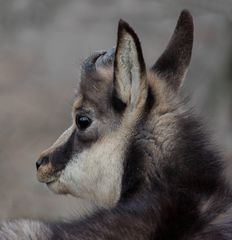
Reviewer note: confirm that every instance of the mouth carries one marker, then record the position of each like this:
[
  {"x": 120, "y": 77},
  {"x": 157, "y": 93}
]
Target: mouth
[
  {"x": 49, "y": 179},
  {"x": 51, "y": 182}
]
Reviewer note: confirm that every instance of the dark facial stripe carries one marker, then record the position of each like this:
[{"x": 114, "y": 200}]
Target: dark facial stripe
[
  {"x": 133, "y": 171},
  {"x": 62, "y": 154}
]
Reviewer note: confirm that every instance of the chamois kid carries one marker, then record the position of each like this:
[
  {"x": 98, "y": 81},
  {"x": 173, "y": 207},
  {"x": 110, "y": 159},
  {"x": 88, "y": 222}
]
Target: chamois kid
[{"x": 136, "y": 151}]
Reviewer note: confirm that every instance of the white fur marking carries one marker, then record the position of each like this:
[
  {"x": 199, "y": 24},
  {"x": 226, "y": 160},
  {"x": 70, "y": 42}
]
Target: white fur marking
[
  {"x": 24, "y": 230},
  {"x": 96, "y": 173}
]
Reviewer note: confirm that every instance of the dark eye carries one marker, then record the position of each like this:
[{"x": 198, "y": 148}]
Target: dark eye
[{"x": 83, "y": 122}]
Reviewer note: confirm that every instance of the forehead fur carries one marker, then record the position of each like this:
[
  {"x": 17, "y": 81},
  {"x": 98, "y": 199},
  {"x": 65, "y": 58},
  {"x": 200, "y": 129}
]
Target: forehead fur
[
  {"x": 96, "y": 79},
  {"x": 97, "y": 82}
]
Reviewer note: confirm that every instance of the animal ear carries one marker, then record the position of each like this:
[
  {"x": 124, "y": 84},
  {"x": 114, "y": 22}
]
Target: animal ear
[
  {"x": 173, "y": 63},
  {"x": 130, "y": 84}
]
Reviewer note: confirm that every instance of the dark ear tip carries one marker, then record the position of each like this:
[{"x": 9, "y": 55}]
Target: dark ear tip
[
  {"x": 185, "y": 20},
  {"x": 186, "y": 13},
  {"x": 123, "y": 25},
  {"x": 125, "y": 28},
  {"x": 122, "y": 22}
]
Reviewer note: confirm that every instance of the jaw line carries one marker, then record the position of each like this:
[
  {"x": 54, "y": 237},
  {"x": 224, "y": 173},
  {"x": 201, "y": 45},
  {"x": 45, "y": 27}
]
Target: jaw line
[{"x": 56, "y": 185}]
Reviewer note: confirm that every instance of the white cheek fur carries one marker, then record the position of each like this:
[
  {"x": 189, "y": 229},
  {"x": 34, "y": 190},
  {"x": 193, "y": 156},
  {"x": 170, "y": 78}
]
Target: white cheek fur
[{"x": 96, "y": 173}]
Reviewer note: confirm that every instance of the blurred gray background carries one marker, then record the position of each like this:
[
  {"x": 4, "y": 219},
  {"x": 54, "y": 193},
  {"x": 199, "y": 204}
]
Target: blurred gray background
[{"x": 42, "y": 43}]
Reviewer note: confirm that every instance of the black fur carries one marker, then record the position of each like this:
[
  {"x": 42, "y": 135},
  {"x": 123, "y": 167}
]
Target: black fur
[
  {"x": 118, "y": 105},
  {"x": 62, "y": 154},
  {"x": 150, "y": 100}
]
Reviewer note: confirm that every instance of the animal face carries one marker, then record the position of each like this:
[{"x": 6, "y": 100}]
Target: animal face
[{"x": 117, "y": 99}]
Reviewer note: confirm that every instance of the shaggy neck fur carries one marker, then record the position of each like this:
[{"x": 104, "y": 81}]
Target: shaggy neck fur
[{"x": 170, "y": 147}]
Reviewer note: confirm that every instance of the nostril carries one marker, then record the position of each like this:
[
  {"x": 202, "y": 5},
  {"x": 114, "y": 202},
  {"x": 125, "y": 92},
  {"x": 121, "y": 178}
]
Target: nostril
[{"x": 42, "y": 161}]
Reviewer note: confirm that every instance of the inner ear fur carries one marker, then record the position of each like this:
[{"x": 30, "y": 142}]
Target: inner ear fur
[
  {"x": 173, "y": 63},
  {"x": 130, "y": 84}
]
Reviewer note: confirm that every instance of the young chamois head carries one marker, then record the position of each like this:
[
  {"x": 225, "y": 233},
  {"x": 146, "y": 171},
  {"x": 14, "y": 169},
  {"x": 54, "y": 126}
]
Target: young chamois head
[{"x": 124, "y": 119}]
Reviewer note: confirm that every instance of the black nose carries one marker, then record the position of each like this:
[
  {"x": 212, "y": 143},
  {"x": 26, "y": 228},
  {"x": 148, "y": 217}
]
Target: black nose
[{"x": 42, "y": 161}]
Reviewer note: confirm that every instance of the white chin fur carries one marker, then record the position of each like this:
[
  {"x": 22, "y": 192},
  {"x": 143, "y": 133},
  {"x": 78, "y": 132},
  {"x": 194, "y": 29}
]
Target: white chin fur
[{"x": 57, "y": 187}]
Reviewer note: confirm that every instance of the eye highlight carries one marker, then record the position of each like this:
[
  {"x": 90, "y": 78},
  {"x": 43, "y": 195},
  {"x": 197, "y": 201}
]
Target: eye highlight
[{"x": 83, "y": 122}]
